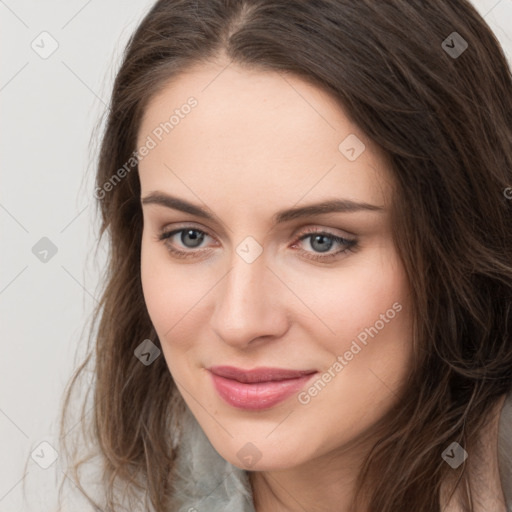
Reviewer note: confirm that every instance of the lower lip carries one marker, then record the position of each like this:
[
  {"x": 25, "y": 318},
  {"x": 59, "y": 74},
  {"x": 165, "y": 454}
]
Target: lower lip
[{"x": 258, "y": 395}]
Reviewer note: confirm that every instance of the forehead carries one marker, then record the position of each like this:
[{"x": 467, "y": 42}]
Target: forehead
[{"x": 260, "y": 133}]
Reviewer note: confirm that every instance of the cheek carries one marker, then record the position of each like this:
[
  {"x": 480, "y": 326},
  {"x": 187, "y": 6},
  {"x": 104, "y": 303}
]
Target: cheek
[
  {"x": 369, "y": 294},
  {"x": 371, "y": 351},
  {"x": 175, "y": 296},
  {"x": 159, "y": 285},
  {"x": 168, "y": 299}
]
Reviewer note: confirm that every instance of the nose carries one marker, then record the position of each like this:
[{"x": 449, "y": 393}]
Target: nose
[{"x": 250, "y": 304}]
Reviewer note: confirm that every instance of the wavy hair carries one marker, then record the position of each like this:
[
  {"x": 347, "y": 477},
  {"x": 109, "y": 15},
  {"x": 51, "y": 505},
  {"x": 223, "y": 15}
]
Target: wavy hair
[{"x": 444, "y": 119}]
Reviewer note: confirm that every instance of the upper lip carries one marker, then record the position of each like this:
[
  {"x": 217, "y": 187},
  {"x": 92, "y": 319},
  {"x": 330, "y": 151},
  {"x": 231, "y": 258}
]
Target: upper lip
[{"x": 262, "y": 374}]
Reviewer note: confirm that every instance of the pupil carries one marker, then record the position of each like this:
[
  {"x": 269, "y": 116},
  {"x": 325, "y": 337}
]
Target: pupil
[
  {"x": 192, "y": 234},
  {"x": 322, "y": 247}
]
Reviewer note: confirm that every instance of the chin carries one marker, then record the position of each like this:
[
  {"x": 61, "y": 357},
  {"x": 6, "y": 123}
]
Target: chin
[{"x": 261, "y": 456}]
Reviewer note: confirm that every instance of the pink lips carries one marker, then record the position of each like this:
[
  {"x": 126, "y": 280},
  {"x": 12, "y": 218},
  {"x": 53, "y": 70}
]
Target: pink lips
[{"x": 259, "y": 388}]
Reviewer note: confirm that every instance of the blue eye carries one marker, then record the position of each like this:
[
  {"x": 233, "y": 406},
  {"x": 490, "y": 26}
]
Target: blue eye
[
  {"x": 321, "y": 242},
  {"x": 188, "y": 234},
  {"x": 324, "y": 241}
]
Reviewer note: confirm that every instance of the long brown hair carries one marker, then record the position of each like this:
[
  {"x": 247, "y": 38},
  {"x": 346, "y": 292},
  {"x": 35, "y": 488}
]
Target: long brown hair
[{"x": 442, "y": 112}]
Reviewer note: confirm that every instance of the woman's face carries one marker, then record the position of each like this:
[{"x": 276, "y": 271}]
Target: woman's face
[{"x": 254, "y": 285}]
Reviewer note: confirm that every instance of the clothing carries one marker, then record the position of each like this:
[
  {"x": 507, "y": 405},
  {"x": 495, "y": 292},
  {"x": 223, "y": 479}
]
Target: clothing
[{"x": 206, "y": 481}]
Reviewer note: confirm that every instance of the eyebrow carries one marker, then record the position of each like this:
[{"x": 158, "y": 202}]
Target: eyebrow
[{"x": 329, "y": 206}]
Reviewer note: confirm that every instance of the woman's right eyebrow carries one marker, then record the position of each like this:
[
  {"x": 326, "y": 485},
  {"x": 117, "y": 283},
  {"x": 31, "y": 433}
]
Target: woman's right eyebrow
[{"x": 310, "y": 210}]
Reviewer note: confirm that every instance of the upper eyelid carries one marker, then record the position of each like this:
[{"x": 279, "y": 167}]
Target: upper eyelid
[
  {"x": 177, "y": 227},
  {"x": 314, "y": 218}
]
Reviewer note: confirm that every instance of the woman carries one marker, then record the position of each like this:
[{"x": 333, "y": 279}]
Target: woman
[{"x": 239, "y": 365}]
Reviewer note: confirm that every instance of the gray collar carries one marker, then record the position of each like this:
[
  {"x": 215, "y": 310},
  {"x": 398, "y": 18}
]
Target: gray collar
[{"x": 204, "y": 480}]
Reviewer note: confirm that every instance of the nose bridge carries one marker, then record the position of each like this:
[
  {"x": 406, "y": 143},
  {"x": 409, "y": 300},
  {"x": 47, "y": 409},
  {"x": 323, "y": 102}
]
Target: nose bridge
[{"x": 247, "y": 301}]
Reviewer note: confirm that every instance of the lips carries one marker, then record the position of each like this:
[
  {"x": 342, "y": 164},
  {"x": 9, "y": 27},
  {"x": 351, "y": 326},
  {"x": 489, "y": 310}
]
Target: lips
[{"x": 259, "y": 388}]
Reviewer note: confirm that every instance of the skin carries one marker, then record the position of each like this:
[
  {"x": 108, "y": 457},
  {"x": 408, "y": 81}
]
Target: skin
[{"x": 256, "y": 143}]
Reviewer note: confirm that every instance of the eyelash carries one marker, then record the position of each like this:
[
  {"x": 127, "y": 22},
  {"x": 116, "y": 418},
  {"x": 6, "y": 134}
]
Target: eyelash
[{"x": 350, "y": 243}]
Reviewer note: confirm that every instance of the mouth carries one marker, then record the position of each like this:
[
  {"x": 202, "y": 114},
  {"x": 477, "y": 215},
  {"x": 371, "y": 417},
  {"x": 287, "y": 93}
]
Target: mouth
[{"x": 259, "y": 388}]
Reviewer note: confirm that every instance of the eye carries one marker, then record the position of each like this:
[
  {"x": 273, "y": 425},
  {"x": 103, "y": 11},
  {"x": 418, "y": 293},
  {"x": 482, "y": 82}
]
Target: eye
[
  {"x": 190, "y": 237},
  {"x": 321, "y": 241}
]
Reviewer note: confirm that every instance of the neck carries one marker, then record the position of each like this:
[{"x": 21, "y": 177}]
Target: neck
[{"x": 324, "y": 484}]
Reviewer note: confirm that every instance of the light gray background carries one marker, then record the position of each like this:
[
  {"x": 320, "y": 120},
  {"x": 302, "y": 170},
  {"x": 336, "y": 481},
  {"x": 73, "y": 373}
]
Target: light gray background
[{"x": 50, "y": 107}]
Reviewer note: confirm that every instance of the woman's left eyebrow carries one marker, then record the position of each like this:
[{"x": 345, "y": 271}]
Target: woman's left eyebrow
[{"x": 329, "y": 206}]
